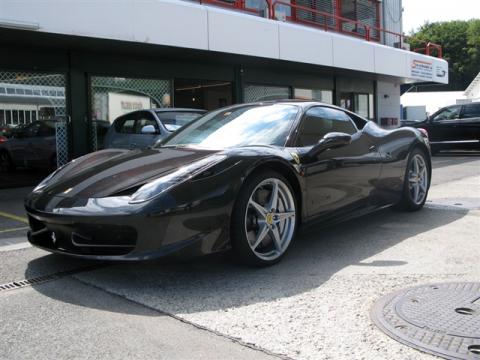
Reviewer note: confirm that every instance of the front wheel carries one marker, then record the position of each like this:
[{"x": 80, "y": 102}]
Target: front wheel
[
  {"x": 264, "y": 219},
  {"x": 416, "y": 182}
]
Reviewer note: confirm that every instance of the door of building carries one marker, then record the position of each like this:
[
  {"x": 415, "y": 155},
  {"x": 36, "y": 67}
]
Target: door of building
[{"x": 202, "y": 94}]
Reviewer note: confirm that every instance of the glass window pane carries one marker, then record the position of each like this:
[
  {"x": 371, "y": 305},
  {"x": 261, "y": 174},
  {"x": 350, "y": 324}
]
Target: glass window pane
[
  {"x": 361, "y": 105},
  {"x": 263, "y": 93},
  {"x": 325, "y": 96}
]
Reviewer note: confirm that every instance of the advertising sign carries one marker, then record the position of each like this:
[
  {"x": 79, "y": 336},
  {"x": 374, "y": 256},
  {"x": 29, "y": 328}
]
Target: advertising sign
[
  {"x": 428, "y": 69},
  {"x": 119, "y": 104}
]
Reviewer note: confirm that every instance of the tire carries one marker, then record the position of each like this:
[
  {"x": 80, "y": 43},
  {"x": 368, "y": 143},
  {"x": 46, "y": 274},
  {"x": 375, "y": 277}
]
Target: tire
[
  {"x": 416, "y": 186},
  {"x": 6, "y": 163},
  {"x": 261, "y": 237}
]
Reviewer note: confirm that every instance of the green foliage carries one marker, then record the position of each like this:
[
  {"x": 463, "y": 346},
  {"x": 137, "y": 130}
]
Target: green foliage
[{"x": 460, "y": 41}]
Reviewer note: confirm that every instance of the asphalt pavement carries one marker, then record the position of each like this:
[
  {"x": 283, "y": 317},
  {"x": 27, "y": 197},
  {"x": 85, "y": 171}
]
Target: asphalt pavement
[{"x": 313, "y": 305}]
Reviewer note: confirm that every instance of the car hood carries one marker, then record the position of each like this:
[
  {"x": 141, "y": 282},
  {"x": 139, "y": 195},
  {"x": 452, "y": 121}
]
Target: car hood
[{"x": 109, "y": 172}]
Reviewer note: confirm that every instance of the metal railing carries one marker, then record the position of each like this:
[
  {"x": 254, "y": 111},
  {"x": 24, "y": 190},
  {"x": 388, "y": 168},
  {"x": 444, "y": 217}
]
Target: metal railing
[{"x": 325, "y": 21}]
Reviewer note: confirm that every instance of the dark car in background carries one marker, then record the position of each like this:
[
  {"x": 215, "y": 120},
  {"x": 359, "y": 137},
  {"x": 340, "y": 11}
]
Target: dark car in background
[
  {"x": 143, "y": 128},
  {"x": 30, "y": 146},
  {"x": 452, "y": 127}
]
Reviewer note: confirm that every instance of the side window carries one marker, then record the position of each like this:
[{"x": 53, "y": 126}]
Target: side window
[
  {"x": 471, "y": 111},
  {"x": 145, "y": 118},
  {"x": 47, "y": 129},
  {"x": 32, "y": 129},
  {"x": 449, "y": 113},
  {"x": 319, "y": 121},
  {"x": 125, "y": 124}
]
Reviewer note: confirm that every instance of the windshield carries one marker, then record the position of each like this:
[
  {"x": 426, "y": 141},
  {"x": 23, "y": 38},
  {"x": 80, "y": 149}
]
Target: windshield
[
  {"x": 173, "y": 120},
  {"x": 238, "y": 126}
]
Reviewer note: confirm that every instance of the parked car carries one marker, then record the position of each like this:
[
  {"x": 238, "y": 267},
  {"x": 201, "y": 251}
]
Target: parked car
[
  {"x": 242, "y": 177},
  {"x": 30, "y": 146},
  {"x": 143, "y": 128},
  {"x": 452, "y": 127}
]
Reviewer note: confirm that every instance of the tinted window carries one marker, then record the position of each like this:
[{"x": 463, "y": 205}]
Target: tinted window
[
  {"x": 125, "y": 124},
  {"x": 144, "y": 119},
  {"x": 46, "y": 129},
  {"x": 173, "y": 120},
  {"x": 449, "y": 113},
  {"x": 31, "y": 130},
  {"x": 319, "y": 121},
  {"x": 471, "y": 110}
]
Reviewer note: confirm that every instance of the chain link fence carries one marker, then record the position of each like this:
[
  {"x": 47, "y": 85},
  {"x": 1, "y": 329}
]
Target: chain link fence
[
  {"x": 26, "y": 97},
  {"x": 254, "y": 93}
]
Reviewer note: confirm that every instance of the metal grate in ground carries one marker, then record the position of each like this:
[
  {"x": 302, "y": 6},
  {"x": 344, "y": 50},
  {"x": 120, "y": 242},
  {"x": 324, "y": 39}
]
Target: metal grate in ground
[
  {"x": 46, "y": 278},
  {"x": 441, "y": 319}
]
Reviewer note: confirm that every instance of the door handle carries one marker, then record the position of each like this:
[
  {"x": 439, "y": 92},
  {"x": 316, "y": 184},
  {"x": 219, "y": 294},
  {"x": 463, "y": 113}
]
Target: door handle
[{"x": 372, "y": 148}]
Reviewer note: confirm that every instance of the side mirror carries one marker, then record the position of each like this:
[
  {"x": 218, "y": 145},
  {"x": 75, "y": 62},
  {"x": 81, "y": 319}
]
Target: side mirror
[
  {"x": 149, "y": 129},
  {"x": 330, "y": 141}
]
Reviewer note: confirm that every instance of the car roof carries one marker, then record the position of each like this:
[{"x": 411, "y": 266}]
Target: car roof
[
  {"x": 176, "y": 109},
  {"x": 304, "y": 104}
]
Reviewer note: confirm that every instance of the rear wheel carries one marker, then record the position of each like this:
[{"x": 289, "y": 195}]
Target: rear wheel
[
  {"x": 417, "y": 181},
  {"x": 264, "y": 220}
]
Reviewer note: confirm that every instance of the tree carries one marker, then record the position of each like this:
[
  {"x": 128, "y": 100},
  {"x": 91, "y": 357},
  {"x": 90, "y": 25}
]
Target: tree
[{"x": 460, "y": 41}]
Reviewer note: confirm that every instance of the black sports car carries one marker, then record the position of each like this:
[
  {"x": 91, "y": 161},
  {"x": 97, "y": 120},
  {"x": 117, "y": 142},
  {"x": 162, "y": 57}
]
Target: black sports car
[{"x": 242, "y": 177}]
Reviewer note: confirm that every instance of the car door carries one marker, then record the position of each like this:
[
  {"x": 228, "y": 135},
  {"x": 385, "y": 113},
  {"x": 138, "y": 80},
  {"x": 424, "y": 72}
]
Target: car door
[
  {"x": 338, "y": 180},
  {"x": 42, "y": 147},
  {"x": 19, "y": 145},
  {"x": 469, "y": 123},
  {"x": 443, "y": 125},
  {"x": 141, "y": 140},
  {"x": 120, "y": 133}
]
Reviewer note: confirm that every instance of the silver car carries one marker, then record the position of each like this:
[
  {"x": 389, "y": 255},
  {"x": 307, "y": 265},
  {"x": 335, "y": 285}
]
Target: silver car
[{"x": 143, "y": 128}]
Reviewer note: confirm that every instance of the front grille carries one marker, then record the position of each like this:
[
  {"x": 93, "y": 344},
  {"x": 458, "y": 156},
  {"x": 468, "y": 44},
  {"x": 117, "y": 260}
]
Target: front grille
[{"x": 83, "y": 239}]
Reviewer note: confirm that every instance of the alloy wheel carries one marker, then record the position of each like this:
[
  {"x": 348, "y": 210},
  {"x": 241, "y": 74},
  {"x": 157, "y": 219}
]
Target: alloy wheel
[
  {"x": 270, "y": 219},
  {"x": 418, "y": 179}
]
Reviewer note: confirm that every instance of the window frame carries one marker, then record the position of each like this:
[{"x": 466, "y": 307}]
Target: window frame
[
  {"x": 433, "y": 121},
  {"x": 464, "y": 107},
  {"x": 137, "y": 120},
  {"x": 294, "y": 141}
]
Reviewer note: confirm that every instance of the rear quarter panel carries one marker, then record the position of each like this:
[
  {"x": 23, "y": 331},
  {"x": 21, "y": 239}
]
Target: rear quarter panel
[{"x": 394, "y": 147}]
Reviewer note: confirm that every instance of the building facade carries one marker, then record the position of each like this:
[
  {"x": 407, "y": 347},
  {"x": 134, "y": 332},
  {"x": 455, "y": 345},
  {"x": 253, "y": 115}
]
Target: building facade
[{"x": 87, "y": 62}]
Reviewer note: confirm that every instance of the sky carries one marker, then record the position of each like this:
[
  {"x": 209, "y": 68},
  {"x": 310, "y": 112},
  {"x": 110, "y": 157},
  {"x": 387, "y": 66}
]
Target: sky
[{"x": 417, "y": 12}]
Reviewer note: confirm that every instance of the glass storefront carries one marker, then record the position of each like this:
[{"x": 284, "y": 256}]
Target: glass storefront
[
  {"x": 202, "y": 94},
  {"x": 325, "y": 96},
  {"x": 32, "y": 126},
  {"x": 115, "y": 96},
  {"x": 254, "y": 93},
  {"x": 359, "y": 103}
]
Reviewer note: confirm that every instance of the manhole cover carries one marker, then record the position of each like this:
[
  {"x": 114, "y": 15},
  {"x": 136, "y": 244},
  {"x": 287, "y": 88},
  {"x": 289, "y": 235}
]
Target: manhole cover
[{"x": 441, "y": 319}]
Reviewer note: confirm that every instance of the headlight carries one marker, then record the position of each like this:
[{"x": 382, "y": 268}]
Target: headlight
[{"x": 160, "y": 185}]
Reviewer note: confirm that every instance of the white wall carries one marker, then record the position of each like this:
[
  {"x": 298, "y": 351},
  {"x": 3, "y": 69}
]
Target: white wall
[
  {"x": 190, "y": 25},
  {"x": 388, "y": 100},
  {"x": 432, "y": 100}
]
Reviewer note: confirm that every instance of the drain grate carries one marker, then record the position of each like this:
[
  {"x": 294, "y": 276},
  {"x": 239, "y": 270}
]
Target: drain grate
[
  {"x": 441, "y": 319},
  {"x": 46, "y": 278}
]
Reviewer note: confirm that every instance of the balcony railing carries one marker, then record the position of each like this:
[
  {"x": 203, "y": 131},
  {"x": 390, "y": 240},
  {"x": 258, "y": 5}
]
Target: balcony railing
[{"x": 305, "y": 15}]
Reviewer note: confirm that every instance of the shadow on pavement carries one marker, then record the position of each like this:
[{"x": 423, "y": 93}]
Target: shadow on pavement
[{"x": 217, "y": 282}]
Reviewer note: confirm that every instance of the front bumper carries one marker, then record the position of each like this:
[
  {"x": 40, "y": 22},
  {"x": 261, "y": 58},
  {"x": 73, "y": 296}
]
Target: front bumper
[{"x": 122, "y": 237}]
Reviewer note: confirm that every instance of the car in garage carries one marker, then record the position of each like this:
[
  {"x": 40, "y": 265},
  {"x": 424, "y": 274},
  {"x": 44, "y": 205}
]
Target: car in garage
[
  {"x": 30, "y": 146},
  {"x": 452, "y": 127},
  {"x": 143, "y": 128},
  {"x": 243, "y": 177}
]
